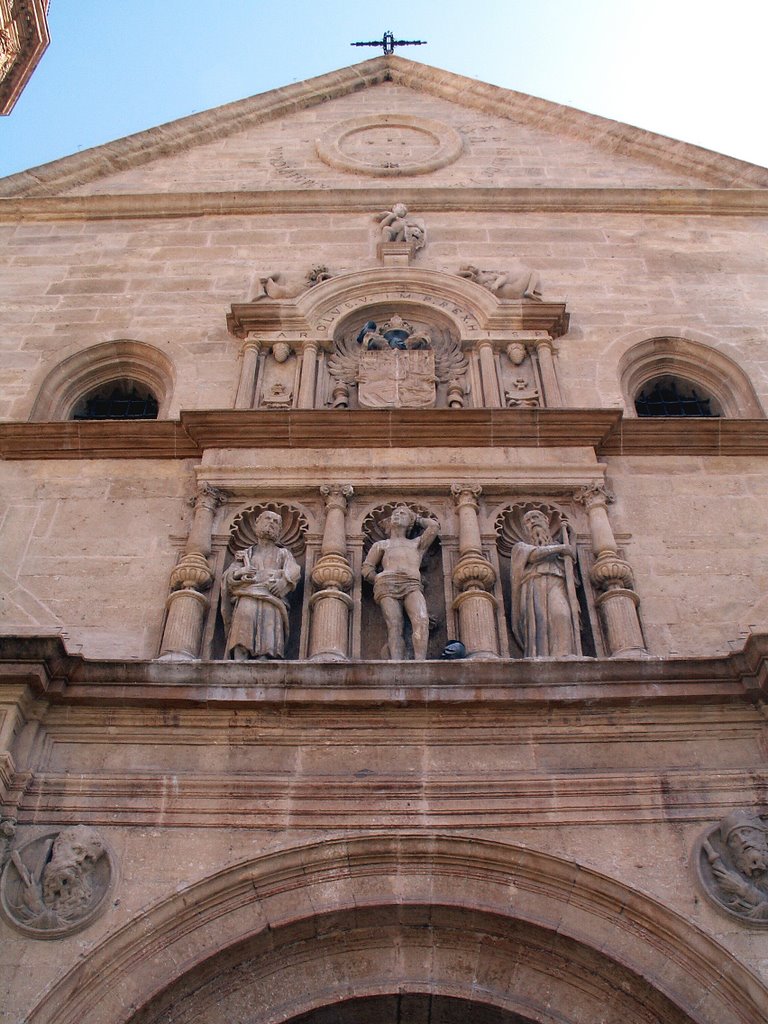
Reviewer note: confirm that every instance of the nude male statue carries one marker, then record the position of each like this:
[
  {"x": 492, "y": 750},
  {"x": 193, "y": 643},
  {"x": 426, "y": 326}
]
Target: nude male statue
[{"x": 397, "y": 588}]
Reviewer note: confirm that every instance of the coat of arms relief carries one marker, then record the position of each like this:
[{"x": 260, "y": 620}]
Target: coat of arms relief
[{"x": 397, "y": 364}]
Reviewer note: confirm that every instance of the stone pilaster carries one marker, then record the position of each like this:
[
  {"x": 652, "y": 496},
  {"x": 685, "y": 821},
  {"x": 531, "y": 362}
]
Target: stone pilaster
[
  {"x": 308, "y": 374},
  {"x": 612, "y": 575},
  {"x": 192, "y": 575},
  {"x": 332, "y": 575},
  {"x": 540, "y": 344},
  {"x": 248, "y": 366},
  {"x": 488, "y": 375},
  {"x": 474, "y": 577}
]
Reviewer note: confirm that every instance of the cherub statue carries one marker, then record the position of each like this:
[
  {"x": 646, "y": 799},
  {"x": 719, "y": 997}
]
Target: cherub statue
[{"x": 398, "y": 226}]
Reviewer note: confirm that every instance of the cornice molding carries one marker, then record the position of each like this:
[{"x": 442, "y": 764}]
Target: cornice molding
[
  {"x": 198, "y": 430},
  {"x": 44, "y": 665},
  {"x": 743, "y": 202}
]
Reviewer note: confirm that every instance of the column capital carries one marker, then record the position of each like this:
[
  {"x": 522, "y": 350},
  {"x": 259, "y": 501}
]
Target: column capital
[
  {"x": 463, "y": 493},
  {"x": 336, "y": 495},
  {"x": 596, "y": 495},
  {"x": 209, "y": 496},
  {"x": 252, "y": 343}
]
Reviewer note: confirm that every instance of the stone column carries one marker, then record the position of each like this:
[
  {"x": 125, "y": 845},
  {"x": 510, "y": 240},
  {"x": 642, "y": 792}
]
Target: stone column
[
  {"x": 308, "y": 375},
  {"x": 474, "y": 577},
  {"x": 488, "y": 375},
  {"x": 332, "y": 575},
  {"x": 612, "y": 575},
  {"x": 192, "y": 575},
  {"x": 541, "y": 343},
  {"x": 248, "y": 367}
]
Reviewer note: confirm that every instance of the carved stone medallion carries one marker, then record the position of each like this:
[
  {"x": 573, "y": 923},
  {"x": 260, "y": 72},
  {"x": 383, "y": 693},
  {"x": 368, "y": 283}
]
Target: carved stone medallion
[
  {"x": 389, "y": 145},
  {"x": 731, "y": 861},
  {"x": 58, "y": 883}
]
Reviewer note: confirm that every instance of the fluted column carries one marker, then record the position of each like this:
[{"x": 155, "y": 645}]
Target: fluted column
[
  {"x": 612, "y": 575},
  {"x": 191, "y": 576},
  {"x": 541, "y": 343},
  {"x": 488, "y": 375},
  {"x": 332, "y": 575},
  {"x": 248, "y": 366},
  {"x": 308, "y": 375},
  {"x": 474, "y": 577}
]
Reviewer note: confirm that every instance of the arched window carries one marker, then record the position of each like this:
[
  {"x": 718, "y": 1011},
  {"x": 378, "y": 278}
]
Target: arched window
[
  {"x": 117, "y": 400},
  {"x": 678, "y": 377},
  {"x": 115, "y": 380},
  {"x": 672, "y": 396}
]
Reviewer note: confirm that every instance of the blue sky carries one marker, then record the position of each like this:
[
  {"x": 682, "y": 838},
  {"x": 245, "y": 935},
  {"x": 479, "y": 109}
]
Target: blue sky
[{"x": 114, "y": 67}]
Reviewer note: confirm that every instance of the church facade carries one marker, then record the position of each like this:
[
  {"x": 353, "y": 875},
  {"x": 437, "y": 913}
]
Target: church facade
[{"x": 384, "y": 620}]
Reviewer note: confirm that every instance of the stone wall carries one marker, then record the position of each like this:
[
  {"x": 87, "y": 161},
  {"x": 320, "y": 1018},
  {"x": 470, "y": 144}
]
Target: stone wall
[{"x": 69, "y": 285}]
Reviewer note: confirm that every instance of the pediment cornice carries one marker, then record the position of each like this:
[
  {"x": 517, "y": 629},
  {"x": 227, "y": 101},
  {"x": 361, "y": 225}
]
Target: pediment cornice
[{"x": 212, "y": 125}]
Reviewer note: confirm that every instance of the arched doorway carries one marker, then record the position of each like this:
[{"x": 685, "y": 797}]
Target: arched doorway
[{"x": 506, "y": 935}]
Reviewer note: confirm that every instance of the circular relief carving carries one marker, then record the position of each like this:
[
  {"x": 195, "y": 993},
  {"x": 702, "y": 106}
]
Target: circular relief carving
[
  {"x": 389, "y": 145},
  {"x": 731, "y": 862},
  {"x": 58, "y": 883}
]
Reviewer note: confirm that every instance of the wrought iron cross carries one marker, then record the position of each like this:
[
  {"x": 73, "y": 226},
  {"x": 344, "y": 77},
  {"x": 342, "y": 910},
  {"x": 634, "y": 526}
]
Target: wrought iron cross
[{"x": 388, "y": 43}]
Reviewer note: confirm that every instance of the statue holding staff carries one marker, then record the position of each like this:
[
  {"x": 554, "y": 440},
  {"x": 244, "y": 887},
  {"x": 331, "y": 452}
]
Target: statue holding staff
[{"x": 545, "y": 613}]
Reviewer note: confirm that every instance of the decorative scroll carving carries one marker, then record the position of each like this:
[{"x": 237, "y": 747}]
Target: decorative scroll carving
[
  {"x": 521, "y": 395},
  {"x": 279, "y": 285},
  {"x": 58, "y": 883},
  {"x": 398, "y": 225},
  {"x": 732, "y": 865},
  {"x": 518, "y": 283},
  {"x": 277, "y": 396},
  {"x": 545, "y": 614},
  {"x": 397, "y": 586}
]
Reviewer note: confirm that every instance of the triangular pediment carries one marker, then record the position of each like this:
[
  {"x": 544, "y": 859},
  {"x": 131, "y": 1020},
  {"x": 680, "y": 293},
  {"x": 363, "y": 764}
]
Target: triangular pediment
[{"x": 387, "y": 121}]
